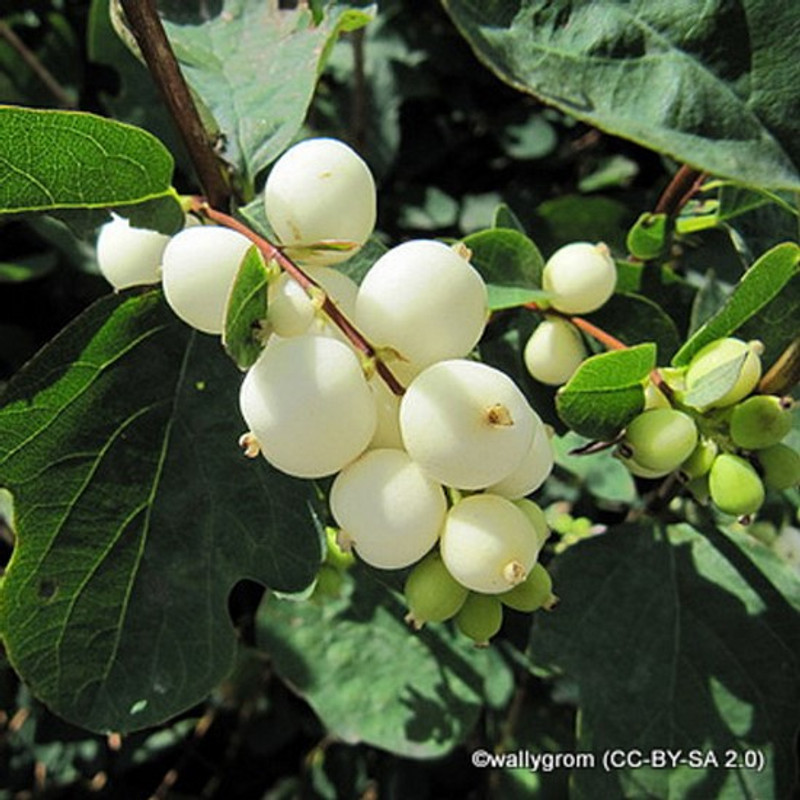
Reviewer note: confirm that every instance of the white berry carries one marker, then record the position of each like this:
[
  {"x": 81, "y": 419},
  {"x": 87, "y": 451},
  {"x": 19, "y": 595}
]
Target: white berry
[
  {"x": 129, "y": 256},
  {"x": 199, "y": 268},
  {"x": 488, "y": 544},
  {"x": 308, "y": 404},
  {"x": 554, "y": 351},
  {"x": 534, "y": 469},
  {"x": 321, "y": 190},
  {"x": 465, "y": 423},
  {"x": 424, "y": 300},
  {"x": 580, "y": 276},
  {"x": 388, "y": 508}
]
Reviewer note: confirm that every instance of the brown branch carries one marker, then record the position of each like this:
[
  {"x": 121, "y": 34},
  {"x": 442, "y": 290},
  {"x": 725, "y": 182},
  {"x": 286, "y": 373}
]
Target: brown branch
[
  {"x": 784, "y": 374},
  {"x": 679, "y": 190},
  {"x": 149, "y": 33},
  {"x": 272, "y": 253},
  {"x": 64, "y": 99}
]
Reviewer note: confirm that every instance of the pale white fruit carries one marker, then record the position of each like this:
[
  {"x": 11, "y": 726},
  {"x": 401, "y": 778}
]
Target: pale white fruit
[
  {"x": 198, "y": 270},
  {"x": 388, "y": 508},
  {"x": 534, "y": 469},
  {"x": 424, "y": 300},
  {"x": 292, "y": 312},
  {"x": 554, "y": 351},
  {"x": 308, "y": 404},
  {"x": 580, "y": 276},
  {"x": 129, "y": 256},
  {"x": 465, "y": 423},
  {"x": 321, "y": 189},
  {"x": 488, "y": 544}
]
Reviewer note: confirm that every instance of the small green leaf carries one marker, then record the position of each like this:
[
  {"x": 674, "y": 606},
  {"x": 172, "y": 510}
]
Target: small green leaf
[
  {"x": 247, "y": 309},
  {"x": 504, "y": 217},
  {"x": 506, "y": 257},
  {"x": 716, "y": 383},
  {"x": 424, "y": 690},
  {"x": 761, "y": 284},
  {"x": 501, "y": 297},
  {"x": 648, "y": 236},
  {"x": 35, "y": 267},
  {"x": 65, "y": 161},
  {"x": 606, "y": 392}
]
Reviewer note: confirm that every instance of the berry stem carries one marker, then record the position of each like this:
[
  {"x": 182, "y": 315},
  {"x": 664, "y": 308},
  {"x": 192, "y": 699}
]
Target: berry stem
[
  {"x": 328, "y": 307},
  {"x": 679, "y": 190}
]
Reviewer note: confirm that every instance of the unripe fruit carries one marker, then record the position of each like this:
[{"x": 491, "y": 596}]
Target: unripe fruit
[
  {"x": 488, "y": 544},
  {"x": 533, "y": 470},
  {"x": 388, "y": 508},
  {"x": 318, "y": 190},
  {"x": 431, "y": 592},
  {"x": 654, "y": 397},
  {"x": 760, "y": 421},
  {"x": 466, "y": 423},
  {"x": 291, "y": 312},
  {"x": 480, "y": 618},
  {"x": 129, "y": 256},
  {"x": 701, "y": 459},
  {"x": 536, "y": 517},
  {"x": 554, "y": 351},
  {"x": 661, "y": 439},
  {"x": 714, "y": 356},
  {"x": 735, "y": 486},
  {"x": 535, "y": 592},
  {"x": 780, "y": 465},
  {"x": 580, "y": 276},
  {"x": 424, "y": 300},
  {"x": 309, "y": 406},
  {"x": 635, "y": 468},
  {"x": 198, "y": 270}
]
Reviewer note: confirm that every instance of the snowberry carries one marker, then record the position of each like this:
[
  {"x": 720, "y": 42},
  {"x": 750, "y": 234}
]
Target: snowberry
[
  {"x": 129, "y": 256},
  {"x": 734, "y": 485},
  {"x": 780, "y": 465},
  {"x": 554, "y": 351},
  {"x": 718, "y": 355},
  {"x": 532, "y": 471},
  {"x": 431, "y": 592},
  {"x": 580, "y": 277},
  {"x": 700, "y": 459},
  {"x": 488, "y": 544},
  {"x": 424, "y": 300},
  {"x": 760, "y": 421},
  {"x": 536, "y": 517},
  {"x": 480, "y": 618},
  {"x": 536, "y": 591},
  {"x": 387, "y": 508},
  {"x": 466, "y": 423},
  {"x": 308, "y": 404},
  {"x": 661, "y": 439},
  {"x": 198, "y": 270},
  {"x": 321, "y": 190}
]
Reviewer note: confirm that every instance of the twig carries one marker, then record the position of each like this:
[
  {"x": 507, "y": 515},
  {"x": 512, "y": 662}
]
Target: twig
[
  {"x": 65, "y": 100},
  {"x": 272, "y": 253},
  {"x": 149, "y": 33},
  {"x": 679, "y": 190},
  {"x": 784, "y": 374}
]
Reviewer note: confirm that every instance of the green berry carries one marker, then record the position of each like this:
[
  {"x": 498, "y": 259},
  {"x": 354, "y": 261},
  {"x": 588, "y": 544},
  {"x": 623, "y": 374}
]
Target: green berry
[
  {"x": 661, "y": 439},
  {"x": 735, "y": 486},
  {"x": 711, "y": 361},
  {"x": 701, "y": 459},
  {"x": 480, "y": 618},
  {"x": 780, "y": 465},
  {"x": 760, "y": 421},
  {"x": 329, "y": 582},
  {"x": 432, "y": 594},
  {"x": 535, "y": 592},
  {"x": 537, "y": 518}
]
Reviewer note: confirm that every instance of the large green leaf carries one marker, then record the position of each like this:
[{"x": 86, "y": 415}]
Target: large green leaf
[
  {"x": 80, "y": 165},
  {"x": 255, "y": 67},
  {"x": 683, "y": 640},
  {"x": 371, "y": 678},
  {"x": 711, "y": 84},
  {"x": 136, "y": 514}
]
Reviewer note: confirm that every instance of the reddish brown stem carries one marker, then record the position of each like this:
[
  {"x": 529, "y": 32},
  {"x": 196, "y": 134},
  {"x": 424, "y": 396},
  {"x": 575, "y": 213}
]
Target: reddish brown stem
[
  {"x": 686, "y": 181},
  {"x": 272, "y": 253},
  {"x": 611, "y": 342}
]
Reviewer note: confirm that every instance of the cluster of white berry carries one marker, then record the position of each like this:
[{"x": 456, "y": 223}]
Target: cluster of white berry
[
  {"x": 432, "y": 476},
  {"x": 580, "y": 278}
]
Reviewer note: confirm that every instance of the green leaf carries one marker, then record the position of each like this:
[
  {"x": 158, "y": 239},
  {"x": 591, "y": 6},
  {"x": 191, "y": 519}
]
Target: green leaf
[
  {"x": 504, "y": 217},
  {"x": 716, "y": 384},
  {"x": 576, "y": 218},
  {"x": 761, "y": 284},
  {"x": 36, "y": 266},
  {"x": 255, "y": 66},
  {"x": 67, "y": 160},
  {"x": 712, "y": 85},
  {"x": 648, "y": 237},
  {"x": 506, "y": 257},
  {"x": 247, "y": 309},
  {"x": 678, "y": 639},
  {"x": 136, "y": 514},
  {"x": 422, "y": 692},
  {"x": 606, "y": 392},
  {"x": 501, "y": 297}
]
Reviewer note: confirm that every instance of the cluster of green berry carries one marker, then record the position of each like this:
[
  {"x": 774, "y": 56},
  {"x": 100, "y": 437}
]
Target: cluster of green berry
[{"x": 725, "y": 440}]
